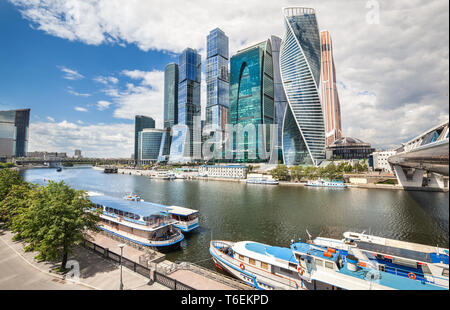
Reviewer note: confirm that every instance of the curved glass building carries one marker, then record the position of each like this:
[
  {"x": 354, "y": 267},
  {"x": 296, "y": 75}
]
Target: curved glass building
[{"x": 300, "y": 59}]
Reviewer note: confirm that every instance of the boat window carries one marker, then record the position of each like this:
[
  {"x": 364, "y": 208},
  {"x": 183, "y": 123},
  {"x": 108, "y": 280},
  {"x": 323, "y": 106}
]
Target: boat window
[
  {"x": 241, "y": 257},
  {"x": 319, "y": 262},
  {"x": 445, "y": 272},
  {"x": 251, "y": 261},
  {"x": 329, "y": 265},
  {"x": 264, "y": 265}
]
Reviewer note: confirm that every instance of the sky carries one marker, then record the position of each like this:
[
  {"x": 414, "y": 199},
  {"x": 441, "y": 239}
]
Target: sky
[{"x": 86, "y": 68}]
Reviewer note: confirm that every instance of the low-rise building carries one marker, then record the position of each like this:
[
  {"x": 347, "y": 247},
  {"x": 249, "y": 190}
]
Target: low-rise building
[
  {"x": 228, "y": 171},
  {"x": 380, "y": 160}
]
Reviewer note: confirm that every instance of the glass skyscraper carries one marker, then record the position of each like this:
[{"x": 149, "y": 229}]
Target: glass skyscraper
[
  {"x": 300, "y": 60},
  {"x": 189, "y": 97},
  {"x": 251, "y": 97},
  {"x": 217, "y": 79},
  {"x": 171, "y": 95},
  {"x": 141, "y": 122},
  {"x": 152, "y": 145},
  {"x": 14, "y": 133}
]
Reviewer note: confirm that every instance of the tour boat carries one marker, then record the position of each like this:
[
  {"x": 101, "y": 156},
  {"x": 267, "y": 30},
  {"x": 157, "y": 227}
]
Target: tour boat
[
  {"x": 133, "y": 197},
  {"x": 324, "y": 183},
  {"x": 309, "y": 266},
  {"x": 261, "y": 179},
  {"x": 160, "y": 175},
  {"x": 186, "y": 219},
  {"x": 140, "y": 222}
]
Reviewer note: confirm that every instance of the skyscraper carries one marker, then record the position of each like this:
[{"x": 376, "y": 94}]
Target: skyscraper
[
  {"x": 189, "y": 96},
  {"x": 217, "y": 79},
  {"x": 300, "y": 59},
  {"x": 280, "y": 101},
  {"x": 252, "y": 97},
  {"x": 171, "y": 95},
  {"x": 14, "y": 132},
  {"x": 141, "y": 122},
  {"x": 330, "y": 99}
]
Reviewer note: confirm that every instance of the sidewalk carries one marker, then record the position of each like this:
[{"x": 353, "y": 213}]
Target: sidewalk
[{"x": 95, "y": 272}]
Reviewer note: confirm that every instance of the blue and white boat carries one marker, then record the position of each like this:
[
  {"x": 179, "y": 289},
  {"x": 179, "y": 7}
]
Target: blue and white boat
[
  {"x": 309, "y": 266},
  {"x": 140, "y": 222},
  {"x": 325, "y": 183},
  {"x": 185, "y": 219},
  {"x": 257, "y": 178},
  {"x": 132, "y": 197}
]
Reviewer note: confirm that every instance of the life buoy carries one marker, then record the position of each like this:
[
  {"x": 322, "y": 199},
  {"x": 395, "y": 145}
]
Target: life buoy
[
  {"x": 242, "y": 266},
  {"x": 300, "y": 270},
  {"x": 412, "y": 276}
]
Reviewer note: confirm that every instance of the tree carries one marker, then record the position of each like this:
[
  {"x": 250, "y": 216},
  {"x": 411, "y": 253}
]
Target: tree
[
  {"x": 281, "y": 173},
  {"x": 296, "y": 172},
  {"x": 8, "y": 178},
  {"x": 310, "y": 172},
  {"x": 56, "y": 220},
  {"x": 18, "y": 199}
]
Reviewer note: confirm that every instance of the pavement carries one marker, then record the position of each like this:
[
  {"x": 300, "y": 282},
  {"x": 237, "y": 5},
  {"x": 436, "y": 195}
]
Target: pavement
[{"x": 20, "y": 271}]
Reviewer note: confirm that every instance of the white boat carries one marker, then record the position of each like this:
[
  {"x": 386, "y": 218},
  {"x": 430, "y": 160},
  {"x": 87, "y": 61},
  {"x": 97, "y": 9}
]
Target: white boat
[
  {"x": 132, "y": 197},
  {"x": 186, "y": 219},
  {"x": 261, "y": 179},
  {"x": 309, "y": 266},
  {"x": 140, "y": 222},
  {"x": 324, "y": 183},
  {"x": 161, "y": 175}
]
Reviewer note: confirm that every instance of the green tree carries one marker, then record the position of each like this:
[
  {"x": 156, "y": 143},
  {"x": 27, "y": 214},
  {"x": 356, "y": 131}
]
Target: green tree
[
  {"x": 56, "y": 221},
  {"x": 296, "y": 172},
  {"x": 310, "y": 172},
  {"x": 18, "y": 199},
  {"x": 281, "y": 173},
  {"x": 8, "y": 178}
]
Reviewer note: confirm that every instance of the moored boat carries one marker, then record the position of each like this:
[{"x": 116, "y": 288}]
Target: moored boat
[
  {"x": 261, "y": 179},
  {"x": 132, "y": 197},
  {"x": 324, "y": 183},
  {"x": 314, "y": 267},
  {"x": 186, "y": 219},
  {"x": 140, "y": 222}
]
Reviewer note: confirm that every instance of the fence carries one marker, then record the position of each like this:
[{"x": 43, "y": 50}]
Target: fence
[{"x": 136, "y": 267}]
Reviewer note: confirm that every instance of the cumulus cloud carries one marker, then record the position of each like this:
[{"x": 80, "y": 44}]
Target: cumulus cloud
[
  {"x": 396, "y": 70},
  {"x": 70, "y": 74},
  {"x": 103, "y": 105},
  {"x": 106, "y": 80},
  {"x": 106, "y": 140},
  {"x": 80, "y": 109}
]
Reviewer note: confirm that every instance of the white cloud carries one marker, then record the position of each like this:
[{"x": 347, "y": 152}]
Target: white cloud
[
  {"x": 51, "y": 119},
  {"x": 70, "y": 74},
  {"x": 106, "y": 80},
  {"x": 75, "y": 93},
  {"x": 105, "y": 140},
  {"x": 80, "y": 109},
  {"x": 403, "y": 59},
  {"x": 102, "y": 105}
]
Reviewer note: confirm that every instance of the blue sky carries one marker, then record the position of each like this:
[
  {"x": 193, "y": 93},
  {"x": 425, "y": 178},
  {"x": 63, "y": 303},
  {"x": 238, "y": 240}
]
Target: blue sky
[{"x": 85, "y": 68}]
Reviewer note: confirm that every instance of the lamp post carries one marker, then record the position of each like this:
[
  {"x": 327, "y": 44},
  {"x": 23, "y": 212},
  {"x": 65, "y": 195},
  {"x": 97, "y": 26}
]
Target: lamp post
[{"x": 121, "y": 254}]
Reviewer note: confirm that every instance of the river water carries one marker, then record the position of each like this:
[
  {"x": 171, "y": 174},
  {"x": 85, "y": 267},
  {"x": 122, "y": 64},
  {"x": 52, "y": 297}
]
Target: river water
[{"x": 273, "y": 214}]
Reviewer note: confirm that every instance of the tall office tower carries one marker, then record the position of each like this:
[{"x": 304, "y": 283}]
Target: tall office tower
[
  {"x": 280, "y": 101},
  {"x": 14, "y": 133},
  {"x": 217, "y": 80},
  {"x": 252, "y": 98},
  {"x": 141, "y": 122},
  {"x": 171, "y": 95},
  {"x": 153, "y": 145},
  {"x": 330, "y": 99},
  {"x": 189, "y": 98},
  {"x": 303, "y": 129}
]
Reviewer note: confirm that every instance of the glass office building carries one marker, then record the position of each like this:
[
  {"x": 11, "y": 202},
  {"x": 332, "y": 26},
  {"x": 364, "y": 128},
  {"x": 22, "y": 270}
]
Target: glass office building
[
  {"x": 171, "y": 95},
  {"x": 251, "y": 99},
  {"x": 14, "y": 133},
  {"x": 189, "y": 97},
  {"x": 300, "y": 60},
  {"x": 141, "y": 122},
  {"x": 153, "y": 145}
]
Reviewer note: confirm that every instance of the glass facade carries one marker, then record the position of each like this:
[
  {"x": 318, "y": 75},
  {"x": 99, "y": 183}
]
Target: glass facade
[
  {"x": 171, "y": 95},
  {"x": 251, "y": 97},
  {"x": 14, "y": 132},
  {"x": 152, "y": 144},
  {"x": 141, "y": 122},
  {"x": 300, "y": 61},
  {"x": 189, "y": 94}
]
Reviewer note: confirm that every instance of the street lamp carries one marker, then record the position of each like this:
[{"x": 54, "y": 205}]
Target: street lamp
[{"x": 121, "y": 254}]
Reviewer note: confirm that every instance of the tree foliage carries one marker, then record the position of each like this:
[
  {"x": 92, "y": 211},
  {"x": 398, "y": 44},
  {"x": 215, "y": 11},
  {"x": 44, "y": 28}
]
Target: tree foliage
[{"x": 281, "y": 173}]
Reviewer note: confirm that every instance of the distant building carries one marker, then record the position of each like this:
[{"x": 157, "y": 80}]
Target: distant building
[
  {"x": 141, "y": 122},
  {"x": 153, "y": 145},
  {"x": 252, "y": 98},
  {"x": 380, "y": 160},
  {"x": 47, "y": 155},
  {"x": 225, "y": 171},
  {"x": 14, "y": 133},
  {"x": 171, "y": 73},
  {"x": 330, "y": 99},
  {"x": 349, "y": 148},
  {"x": 77, "y": 154}
]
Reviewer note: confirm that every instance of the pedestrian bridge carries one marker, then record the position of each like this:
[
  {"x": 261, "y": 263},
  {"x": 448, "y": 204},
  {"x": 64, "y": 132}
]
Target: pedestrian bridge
[{"x": 427, "y": 153}]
